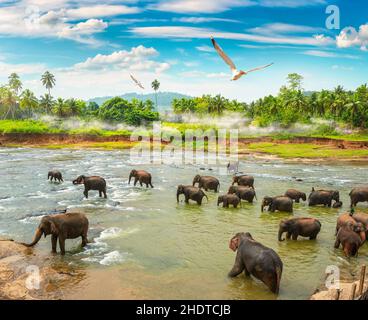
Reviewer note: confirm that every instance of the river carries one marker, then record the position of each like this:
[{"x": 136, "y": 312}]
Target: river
[{"x": 146, "y": 245}]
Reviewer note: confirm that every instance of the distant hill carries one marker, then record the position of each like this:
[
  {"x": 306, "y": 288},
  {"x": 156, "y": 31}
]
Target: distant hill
[{"x": 164, "y": 98}]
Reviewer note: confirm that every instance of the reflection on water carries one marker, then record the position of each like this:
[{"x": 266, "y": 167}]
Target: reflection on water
[{"x": 148, "y": 246}]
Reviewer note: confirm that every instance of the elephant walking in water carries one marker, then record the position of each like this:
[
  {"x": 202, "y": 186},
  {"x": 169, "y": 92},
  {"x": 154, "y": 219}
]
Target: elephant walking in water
[
  {"x": 305, "y": 227},
  {"x": 244, "y": 193},
  {"x": 207, "y": 183},
  {"x": 296, "y": 195},
  {"x": 244, "y": 180},
  {"x": 141, "y": 176},
  {"x": 62, "y": 227},
  {"x": 280, "y": 203},
  {"x": 255, "y": 259},
  {"x": 55, "y": 175},
  {"x": 92, "y": 183},
  {"x": 358, "y": 195},
  {"x": 191, "y": 193},
  {"x": 228, "y": 199},
  {"x": 323, "y": 197}
]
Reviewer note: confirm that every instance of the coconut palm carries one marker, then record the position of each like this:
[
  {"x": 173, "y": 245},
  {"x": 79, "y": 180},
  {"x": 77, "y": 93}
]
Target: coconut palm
[
  {"x": 155, "y": 86},
  {"x": 15, "y": 83},
  {"x": 28, "y": 102},
  {"x": 8, "y": 100},
  {"x": 47, "y": 103},
  {"x": 59, "y": 107},
  {"x": 48, "y": 81}
]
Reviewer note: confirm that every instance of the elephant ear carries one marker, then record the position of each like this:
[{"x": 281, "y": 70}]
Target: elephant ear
[{"x": 53, "y": 227}]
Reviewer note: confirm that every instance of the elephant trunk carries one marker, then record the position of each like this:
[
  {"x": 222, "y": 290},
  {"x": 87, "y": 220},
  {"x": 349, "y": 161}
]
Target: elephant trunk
[
  {"x": 36, "y": 238},
  {"x": 206, "y": 197},
  {"x": 130, "y": 178},
  {"x": 280, "y": 235},
  {"x": 263, "y": 205},
  {"x": 177, "y": 196}
]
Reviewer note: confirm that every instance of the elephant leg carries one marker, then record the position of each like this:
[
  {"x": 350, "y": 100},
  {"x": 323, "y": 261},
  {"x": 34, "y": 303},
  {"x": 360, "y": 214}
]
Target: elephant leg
[
  {"x": 100, "y": 193},
  {"x": 295, "y": 236},
  {"x": 199, "y": 201},
  {"x": 140, "y": 182},
  {"x": 337, "y": 244},
  {"x": 151, "y": 184},
  {"x": 84, "y": 241},
  {"x": 237, "y": 268},
  {"x": 85, "y": 193},
  {"x": 104, "y": 192},
  {"x": 297, "y": 200},
  {"x": 62, "y": 245},
  {"x": 313, "y": 237},
  {"x": 54, "y": 242},
  {"x": 186, "y": 199},
  {"x": 135, "y": 181},
  {"x": 288, "y": 235},
  {"x": 235, "y": 205}
]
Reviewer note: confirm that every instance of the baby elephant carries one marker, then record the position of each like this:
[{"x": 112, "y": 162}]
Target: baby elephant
[
  {"x": 305, "y": 227},
  {"x": 296, "y": 195},
  {"x": 141, "y": 176},
  {"x": 55, "y": 175},
  {"x": 207, "y": 183},
  {"x": 244, "y": 193},
  {"x": 337, "y": 205},
  {"x": 347, "y": 220},
  {"x": 255, "y": 259},
  {"x": 228, "y": 199},
  {"x": 92, "y": 183},
  {"x": 191, "y": 193},
  {"x": 280, "y": 203},
  {"x": 62, "y": 227},
  {"x": 349, "y": 237}
]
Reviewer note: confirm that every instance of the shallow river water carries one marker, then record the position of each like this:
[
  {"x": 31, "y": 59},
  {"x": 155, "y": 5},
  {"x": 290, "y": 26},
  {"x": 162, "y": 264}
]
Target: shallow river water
[{"x": 148, "y": 246}]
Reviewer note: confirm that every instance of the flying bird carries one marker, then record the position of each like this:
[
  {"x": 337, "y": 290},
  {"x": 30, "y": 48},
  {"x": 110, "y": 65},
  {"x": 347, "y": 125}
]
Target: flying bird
[
  {"x": 237, "y": 74},
  {"x": 137, "y": 82}
]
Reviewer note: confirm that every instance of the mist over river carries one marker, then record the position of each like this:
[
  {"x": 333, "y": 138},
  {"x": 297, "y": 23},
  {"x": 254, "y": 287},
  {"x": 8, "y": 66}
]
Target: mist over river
[{"x": 146, "y": 245}]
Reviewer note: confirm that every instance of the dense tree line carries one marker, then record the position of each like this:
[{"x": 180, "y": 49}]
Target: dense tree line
[
  {"x": 291, "y": 105},
  {"x": 18, "y": 104}
]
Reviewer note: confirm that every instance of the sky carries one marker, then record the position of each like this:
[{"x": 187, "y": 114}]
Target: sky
[{"x": 92, "y": 47}]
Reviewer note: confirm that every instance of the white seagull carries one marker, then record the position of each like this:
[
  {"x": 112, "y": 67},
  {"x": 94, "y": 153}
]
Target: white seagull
[
  {"x": 137, "y": 82},
  {"x": 237, "y": 74}
]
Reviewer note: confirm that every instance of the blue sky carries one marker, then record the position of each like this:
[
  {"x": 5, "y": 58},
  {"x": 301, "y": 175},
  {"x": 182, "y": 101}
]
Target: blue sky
[{"x": 92, "y": 47}]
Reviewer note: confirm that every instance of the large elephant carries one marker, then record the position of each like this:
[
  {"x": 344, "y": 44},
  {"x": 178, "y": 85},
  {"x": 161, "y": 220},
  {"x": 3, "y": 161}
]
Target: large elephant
[
  {"x": 323, "y": 197},
  {"x": 141, "y": 176},
  {"x": 191, "y": 193},
  {"x": 305, "y": 227},
  {"x": 280, "y": 203},
  {"x": 296, "y": 195},
  {"x": 349, "y": 237},
  {"x": 92, "y": 183},
  {"x": 62, "y": 227},
  {"x": 228, "y": 199},
  {"x": 255, "y": 259},
  {"x": 207, "y": 183},
  {"x": 353, "y": 221},
  {"x": 358, "y": 195},
  {"x": 244, "y": 180},
  {"x": 55, "y": 175},
  {"x": 244, "y": 193},
  {"x": 362, "y": 218}
]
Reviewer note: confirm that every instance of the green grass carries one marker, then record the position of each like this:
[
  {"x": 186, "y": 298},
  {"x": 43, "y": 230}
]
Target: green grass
[
  {"x": 26, "y": 126},
  {"x": 305, "y": 150}
]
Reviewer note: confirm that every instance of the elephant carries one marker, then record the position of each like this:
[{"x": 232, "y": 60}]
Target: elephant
[
  {"x": 62, "y": 227},
  {"x": 347, "y": 220},
  {"x": 55, "y": 175},
  {"x": 92, "y": 183},
  {"x": 362, "y": 218},
  {"x": 349, "y": 239},
  {"x": 141, "y": 176},
  {"x": 280, "y": 203},
  {"x": 324, "y": 197},
  {"x": 257, "y": 260},
  {"x": 228, "y": 199},
  {"x": 207, "y": 183},
  {"x": 244, "y": 180},
  {"x": 244, "y": 193},
  {"x": 191, "y": 193},
  {"x": 296, "y": 195},
  {"x": 358, "y": 195},
  {"x": 337, "y": 205},
  {"x": 305, "y": 227}
]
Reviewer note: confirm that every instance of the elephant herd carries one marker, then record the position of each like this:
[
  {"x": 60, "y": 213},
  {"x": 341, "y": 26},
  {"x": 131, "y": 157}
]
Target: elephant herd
[{"x": 252, "y": 257}]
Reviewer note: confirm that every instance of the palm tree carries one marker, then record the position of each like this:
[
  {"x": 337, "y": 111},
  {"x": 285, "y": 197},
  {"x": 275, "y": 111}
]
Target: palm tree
[
  {"x": 15, "y": 83},
  {"x": 28, "y": 101},
  {"x": 48, "y": 80},
  {"x": 72, "y": 106},
  {"x": 155, "y": 86},
  {"x": 46, "y": 103},
  {"x": 8, "y": 99},
  {"x": 60, "y": 107}
]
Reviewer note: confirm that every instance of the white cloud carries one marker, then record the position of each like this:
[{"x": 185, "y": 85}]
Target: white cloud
[
  {"x": 138, "y": 59},
  {"x": 328, "y": 54},
  {"x": 350, "y": 37},
  {"x": 100, "y": 11},
  {"x": 291, "y": 3},
  {"x": 277, "y": 28},
  {"x": 200, "y": 6},
  {"x": 203, "y": 20},
  {"x": 181, "y": 32},
  {"x": 24, "y": 69},
  {"x": 205, "y": 49}
]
